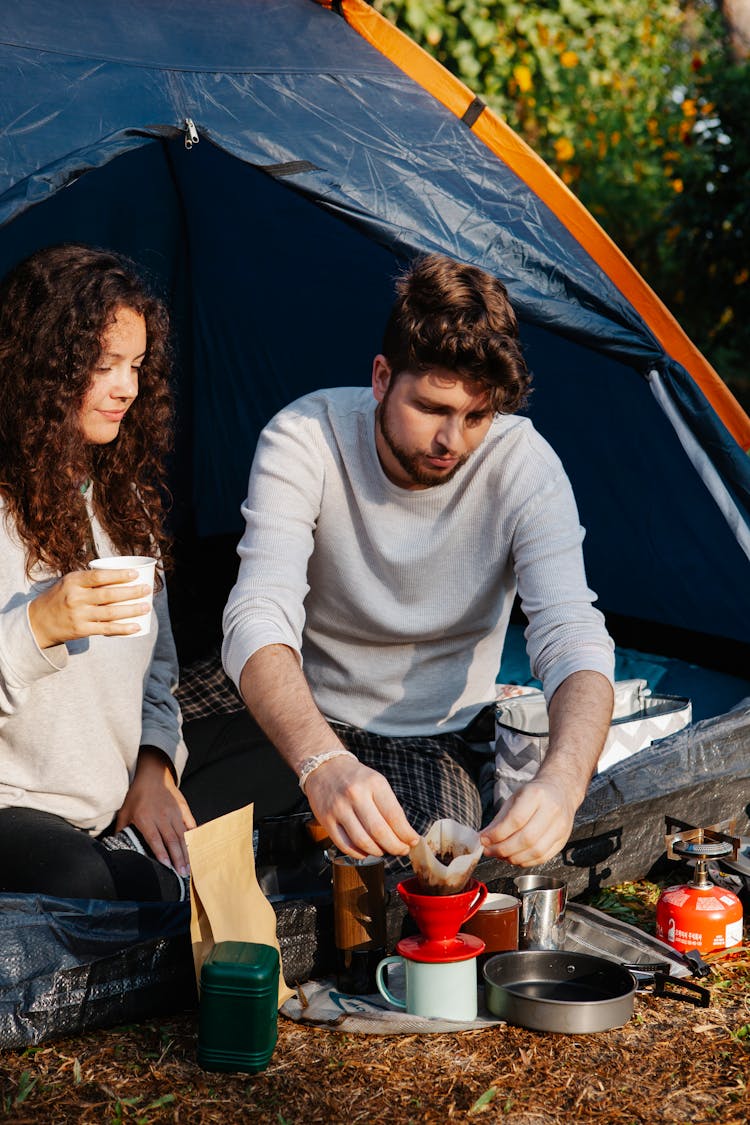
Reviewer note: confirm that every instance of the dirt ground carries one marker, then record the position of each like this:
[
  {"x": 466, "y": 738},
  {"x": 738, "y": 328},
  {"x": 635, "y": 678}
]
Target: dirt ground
[{"x": 671, "y": 1063}]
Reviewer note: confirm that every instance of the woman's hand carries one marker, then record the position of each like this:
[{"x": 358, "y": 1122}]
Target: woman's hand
[
  {"x": 86, "y": 603},
  {"x": 155, "y": 806}
]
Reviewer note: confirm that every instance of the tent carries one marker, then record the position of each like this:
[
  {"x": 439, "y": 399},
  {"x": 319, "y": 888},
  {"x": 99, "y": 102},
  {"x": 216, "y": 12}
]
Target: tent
[{"x": 272, "y": 163}]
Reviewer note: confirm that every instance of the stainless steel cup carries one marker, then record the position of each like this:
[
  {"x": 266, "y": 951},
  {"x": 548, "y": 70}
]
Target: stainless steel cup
[{"x": 542, "y": 921}]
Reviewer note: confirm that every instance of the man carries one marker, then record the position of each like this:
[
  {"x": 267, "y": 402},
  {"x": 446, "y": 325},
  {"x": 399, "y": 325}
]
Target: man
[{"x": 386, "y": 537}]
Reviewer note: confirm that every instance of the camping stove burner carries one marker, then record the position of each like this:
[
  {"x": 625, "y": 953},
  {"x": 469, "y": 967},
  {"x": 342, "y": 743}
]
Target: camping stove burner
[
  {"x": 699, "y": 914},
  {"x": 688, "y": 842},
  {"x": 692, "y": 849},
  {"x": 699, "y": 845}
]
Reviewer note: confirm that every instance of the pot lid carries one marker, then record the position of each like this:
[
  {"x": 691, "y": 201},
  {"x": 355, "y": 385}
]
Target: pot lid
[{"x": 460, "y": 948}]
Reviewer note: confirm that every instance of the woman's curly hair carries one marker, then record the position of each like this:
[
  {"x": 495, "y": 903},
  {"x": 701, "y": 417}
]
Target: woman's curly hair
[
  {"x": 453, "y": 315},
  {"x": 55, "y": 308}
]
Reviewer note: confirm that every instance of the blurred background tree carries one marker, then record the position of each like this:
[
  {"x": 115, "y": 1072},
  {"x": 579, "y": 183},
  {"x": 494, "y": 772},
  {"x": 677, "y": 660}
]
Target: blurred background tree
[
  {"x": 736, "y": 15},
  {"x": 642, "y": 108}
]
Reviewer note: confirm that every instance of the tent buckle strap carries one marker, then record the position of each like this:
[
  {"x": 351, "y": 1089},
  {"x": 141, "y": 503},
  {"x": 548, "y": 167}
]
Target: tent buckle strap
[
  {"x": 473, "y": 111},
  {"x": 191, "y": 133}
]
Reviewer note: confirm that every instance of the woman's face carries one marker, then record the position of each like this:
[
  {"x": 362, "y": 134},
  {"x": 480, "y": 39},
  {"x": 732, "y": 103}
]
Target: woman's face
[{"x": 114, "y": 380}]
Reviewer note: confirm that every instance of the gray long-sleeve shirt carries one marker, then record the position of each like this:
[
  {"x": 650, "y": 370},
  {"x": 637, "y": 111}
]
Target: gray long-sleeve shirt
[
  {"x": 73, "y": 717},
  {"x": 399, "y": 600}
]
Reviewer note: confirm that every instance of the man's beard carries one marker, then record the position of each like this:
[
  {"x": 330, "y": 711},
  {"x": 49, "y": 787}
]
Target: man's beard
[{"x": 410, "y": 461}]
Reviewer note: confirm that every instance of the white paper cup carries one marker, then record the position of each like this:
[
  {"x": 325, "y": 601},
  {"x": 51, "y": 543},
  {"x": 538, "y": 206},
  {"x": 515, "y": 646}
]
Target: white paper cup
[{"x": 145, "y": 567}]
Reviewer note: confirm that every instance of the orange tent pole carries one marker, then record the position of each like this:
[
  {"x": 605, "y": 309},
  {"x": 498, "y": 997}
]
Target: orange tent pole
[{"x": 432, "y": 76}]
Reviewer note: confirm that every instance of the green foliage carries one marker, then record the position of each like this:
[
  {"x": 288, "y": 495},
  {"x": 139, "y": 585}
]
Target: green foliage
[
  {"x": 634, "y": 903},
  {"x": 484, "y": 1099},
  {"x": 704, "y": 262},
  {"x": 621, "y": 98},
  {"x": 25, "y": 1086}
]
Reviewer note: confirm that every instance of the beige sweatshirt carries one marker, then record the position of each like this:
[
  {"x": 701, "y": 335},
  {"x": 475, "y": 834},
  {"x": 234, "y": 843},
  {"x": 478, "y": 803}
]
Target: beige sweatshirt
[
  {"x": 399, "y": 600},
  {"x": 73, "y": 717}
]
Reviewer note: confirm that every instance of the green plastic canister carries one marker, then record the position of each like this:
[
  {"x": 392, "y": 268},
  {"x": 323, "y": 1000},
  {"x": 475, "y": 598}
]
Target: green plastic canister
[{"x": 238, "y": 1014}]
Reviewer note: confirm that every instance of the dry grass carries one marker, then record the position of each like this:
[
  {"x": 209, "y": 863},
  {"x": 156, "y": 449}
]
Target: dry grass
[{"x": 671, "y": 1063}]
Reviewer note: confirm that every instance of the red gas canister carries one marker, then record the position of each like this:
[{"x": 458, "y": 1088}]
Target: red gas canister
[
  {"x": 699, "y": 915},
  {"x": 705, "y": 918}
]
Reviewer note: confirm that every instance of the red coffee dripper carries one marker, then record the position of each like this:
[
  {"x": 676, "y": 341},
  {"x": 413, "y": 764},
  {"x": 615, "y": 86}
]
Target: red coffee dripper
[{"x": 439, "y": 919}]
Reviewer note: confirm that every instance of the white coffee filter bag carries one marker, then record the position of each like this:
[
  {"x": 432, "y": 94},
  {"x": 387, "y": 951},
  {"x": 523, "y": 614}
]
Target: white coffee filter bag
[{"x": 446, "y": 840}]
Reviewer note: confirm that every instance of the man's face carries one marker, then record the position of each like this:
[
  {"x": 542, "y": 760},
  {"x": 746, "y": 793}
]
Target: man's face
[{"x": 427, "y": 424}]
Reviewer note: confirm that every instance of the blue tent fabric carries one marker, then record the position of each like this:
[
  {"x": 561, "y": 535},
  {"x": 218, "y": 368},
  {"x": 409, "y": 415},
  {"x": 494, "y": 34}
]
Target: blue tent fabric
[
  {"x": 320, "y": 168},
  {"x": 710, "y": 692}
]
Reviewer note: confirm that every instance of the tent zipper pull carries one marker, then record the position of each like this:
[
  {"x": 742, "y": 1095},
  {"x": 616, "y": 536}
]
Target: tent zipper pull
[{"x": 191, "y": 133}]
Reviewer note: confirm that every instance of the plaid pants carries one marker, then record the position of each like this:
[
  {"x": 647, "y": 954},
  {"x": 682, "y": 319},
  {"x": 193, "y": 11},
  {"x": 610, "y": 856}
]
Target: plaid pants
[{"x": 433, "y": 776}]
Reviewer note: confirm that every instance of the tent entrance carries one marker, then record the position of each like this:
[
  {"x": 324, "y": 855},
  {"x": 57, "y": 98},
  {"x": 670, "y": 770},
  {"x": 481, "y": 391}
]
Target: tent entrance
[{"x": 274, "y": 295}]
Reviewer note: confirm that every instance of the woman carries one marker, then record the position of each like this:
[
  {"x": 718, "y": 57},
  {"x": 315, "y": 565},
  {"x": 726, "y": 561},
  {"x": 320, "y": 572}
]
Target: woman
[{"x": 90, "y": 739}]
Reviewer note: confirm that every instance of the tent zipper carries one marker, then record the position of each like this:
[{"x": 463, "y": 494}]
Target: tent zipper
[{"x": 191, "y": 133}]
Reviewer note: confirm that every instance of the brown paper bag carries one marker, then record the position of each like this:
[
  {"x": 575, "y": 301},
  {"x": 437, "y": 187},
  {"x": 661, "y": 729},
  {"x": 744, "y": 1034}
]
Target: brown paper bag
[{"x": 226, "y": 903}]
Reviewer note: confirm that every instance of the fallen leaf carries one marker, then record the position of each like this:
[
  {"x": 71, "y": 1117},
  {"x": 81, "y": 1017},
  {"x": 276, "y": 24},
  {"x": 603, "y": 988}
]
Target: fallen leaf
[{"x": 484, "y": 1099}]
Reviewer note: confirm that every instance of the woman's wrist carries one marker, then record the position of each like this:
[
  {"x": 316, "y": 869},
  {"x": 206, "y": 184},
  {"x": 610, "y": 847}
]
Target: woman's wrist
[
  {"x": 152, "y": 758},
  {"x": 36, "y": 624}
]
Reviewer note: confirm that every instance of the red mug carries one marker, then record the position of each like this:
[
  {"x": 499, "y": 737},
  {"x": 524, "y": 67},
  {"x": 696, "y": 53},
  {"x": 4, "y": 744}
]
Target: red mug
[{"x": 440, "y": 917}]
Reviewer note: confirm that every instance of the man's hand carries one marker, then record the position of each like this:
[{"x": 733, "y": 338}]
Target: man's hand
[
  {"x": 354, "y": 804},
  {"x": 536, "y": 822},
  {"x": 358, "y": 809},
  {"x": 532, "y": 826},
  {"x": 155, "y": 806},
  {"x": 86, "y": 603}
]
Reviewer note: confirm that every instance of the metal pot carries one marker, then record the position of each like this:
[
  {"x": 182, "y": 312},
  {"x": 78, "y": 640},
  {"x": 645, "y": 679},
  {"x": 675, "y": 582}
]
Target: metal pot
[{"x": 573, "y": 993}]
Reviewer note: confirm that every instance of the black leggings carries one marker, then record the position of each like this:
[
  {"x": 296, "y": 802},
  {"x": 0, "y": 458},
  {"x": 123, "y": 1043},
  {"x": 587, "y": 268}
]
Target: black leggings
[
  {"x": 231, "y": 764},
  {"x": 41, "y": 853}
]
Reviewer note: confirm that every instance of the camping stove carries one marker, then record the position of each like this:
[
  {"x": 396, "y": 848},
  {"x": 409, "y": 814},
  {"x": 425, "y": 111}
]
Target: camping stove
[{"x": 699, "y": 915}]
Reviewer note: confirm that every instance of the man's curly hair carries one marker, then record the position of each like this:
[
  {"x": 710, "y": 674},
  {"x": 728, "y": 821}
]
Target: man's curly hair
[
  {"x": 55, "y": 308},
  {"x": 456, "y": 316}
]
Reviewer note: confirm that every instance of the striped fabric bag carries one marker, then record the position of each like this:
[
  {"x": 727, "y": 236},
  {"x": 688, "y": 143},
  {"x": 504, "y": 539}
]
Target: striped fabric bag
[{"x": 521, "y": 731}]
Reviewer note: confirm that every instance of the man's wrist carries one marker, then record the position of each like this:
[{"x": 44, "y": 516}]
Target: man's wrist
[
  {"x": 572, "y": 785},
  {"x": 309, "y": 765}
]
